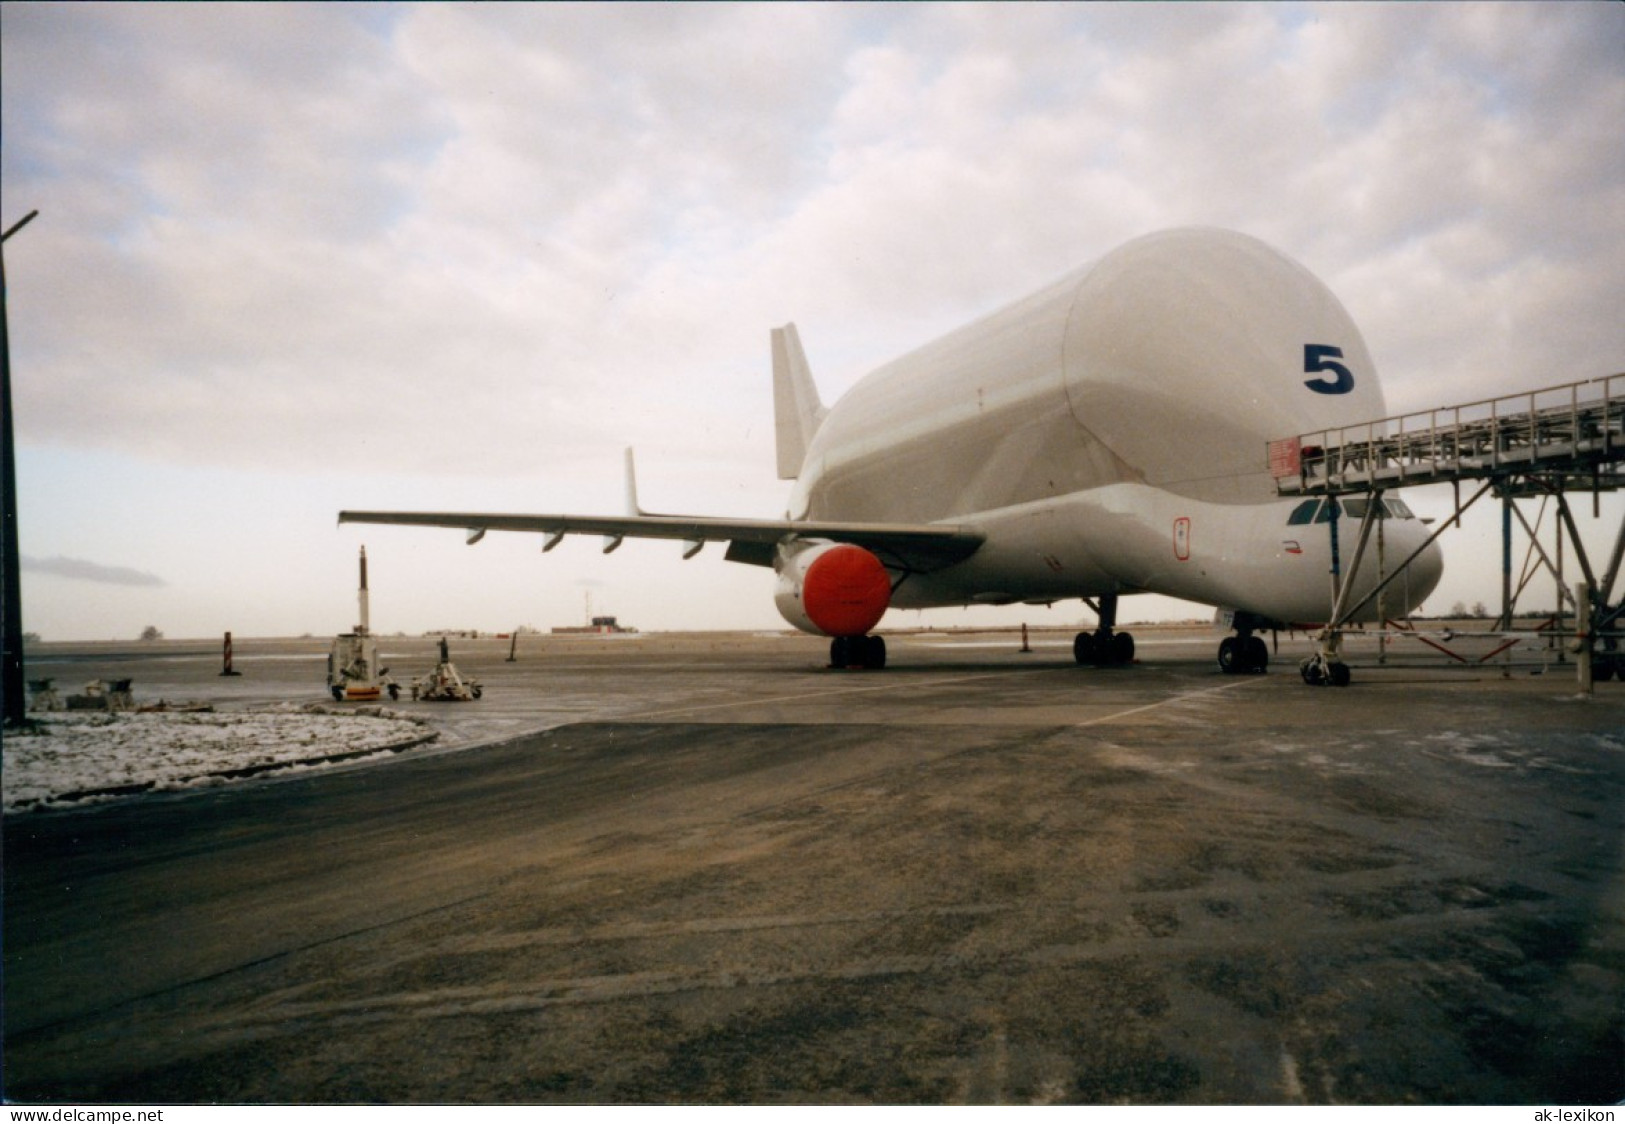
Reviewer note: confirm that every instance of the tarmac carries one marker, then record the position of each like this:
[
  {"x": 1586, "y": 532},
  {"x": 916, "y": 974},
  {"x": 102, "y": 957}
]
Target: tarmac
[{"x": 706, "y": 869}]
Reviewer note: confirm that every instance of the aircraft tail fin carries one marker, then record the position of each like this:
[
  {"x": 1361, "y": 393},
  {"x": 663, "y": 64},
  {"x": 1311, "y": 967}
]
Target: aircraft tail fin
[{"x": 796, "y": 406}]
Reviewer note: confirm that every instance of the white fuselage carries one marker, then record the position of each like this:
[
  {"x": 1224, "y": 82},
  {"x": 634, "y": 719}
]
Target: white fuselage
[{"x": 1108, "y": 435}]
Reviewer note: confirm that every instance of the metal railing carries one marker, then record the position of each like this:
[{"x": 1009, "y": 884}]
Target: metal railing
[{"x": 1577, "y": 427}]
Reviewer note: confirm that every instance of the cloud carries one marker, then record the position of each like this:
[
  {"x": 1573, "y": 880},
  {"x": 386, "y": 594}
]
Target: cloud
[
  {"x": 450, "y": 218},
  {"x": 81, "y": 570}
]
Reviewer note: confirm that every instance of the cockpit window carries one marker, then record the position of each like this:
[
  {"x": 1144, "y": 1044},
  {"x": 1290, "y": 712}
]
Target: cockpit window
[
  {"x": 1319, "y": 511},
  {"x": 1387, "y": 509},
  {"x": 1309, "y": 511}
]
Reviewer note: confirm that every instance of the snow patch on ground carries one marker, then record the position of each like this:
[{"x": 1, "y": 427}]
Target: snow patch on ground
[{"x": 76, "y": 756}]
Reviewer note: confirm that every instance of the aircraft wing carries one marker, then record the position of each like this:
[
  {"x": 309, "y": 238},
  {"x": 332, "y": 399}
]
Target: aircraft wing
[{"x": 916, "y": 547}]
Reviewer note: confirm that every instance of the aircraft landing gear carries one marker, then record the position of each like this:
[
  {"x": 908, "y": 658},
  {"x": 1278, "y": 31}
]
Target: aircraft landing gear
[
  {"x": 1243, "y": 654},
  {"x": 1326, "y": 667},
  {"x": 868, "y": 652},
  {"x": 1607, "y": 660},
  {"x": 1318, "y": 671},
  {"x": 1104, "y": 647}
]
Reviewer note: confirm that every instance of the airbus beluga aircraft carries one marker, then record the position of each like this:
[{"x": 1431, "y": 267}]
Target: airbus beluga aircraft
[{"x": 1103, "y": 436}]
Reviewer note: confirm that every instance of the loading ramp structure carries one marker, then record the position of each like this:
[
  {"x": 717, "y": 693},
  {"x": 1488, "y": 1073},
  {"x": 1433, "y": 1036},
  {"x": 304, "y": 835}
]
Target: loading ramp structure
[{"x": 1553, "y": 444}]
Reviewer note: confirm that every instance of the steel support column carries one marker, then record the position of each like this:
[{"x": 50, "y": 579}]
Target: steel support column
[{"x": 15, "y": 704}]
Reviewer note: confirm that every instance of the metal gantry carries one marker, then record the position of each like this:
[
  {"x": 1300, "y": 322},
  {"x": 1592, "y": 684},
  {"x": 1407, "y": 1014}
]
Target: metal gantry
[{"x": 1549, "y": 443}]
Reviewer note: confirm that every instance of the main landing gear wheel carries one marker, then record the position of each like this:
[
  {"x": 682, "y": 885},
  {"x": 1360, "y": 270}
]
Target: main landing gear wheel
[
  {"x": 1103, "y": 649},
  {"x": 858, "y": 651},
  {"x": 1243, "y": 655}
]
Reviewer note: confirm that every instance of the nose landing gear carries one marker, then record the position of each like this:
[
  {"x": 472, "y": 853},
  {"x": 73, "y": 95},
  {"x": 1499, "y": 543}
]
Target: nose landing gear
[
  {"x": 1318, "y": 671},
  {"x": 1326, "y": 667}
]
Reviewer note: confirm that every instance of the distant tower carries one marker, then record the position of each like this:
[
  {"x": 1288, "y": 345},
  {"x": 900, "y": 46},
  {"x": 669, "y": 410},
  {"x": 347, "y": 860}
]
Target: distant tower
[
  {"x": 353, "y": 673},
  {"x": 362, "y": 628}
]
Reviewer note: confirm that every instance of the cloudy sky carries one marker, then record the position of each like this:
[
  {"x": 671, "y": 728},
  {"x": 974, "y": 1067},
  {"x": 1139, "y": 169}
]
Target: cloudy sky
[{"x": 294, "y": 258}]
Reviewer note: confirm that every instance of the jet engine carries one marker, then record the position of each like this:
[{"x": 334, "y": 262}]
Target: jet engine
[{"x": 832, "y": 589}]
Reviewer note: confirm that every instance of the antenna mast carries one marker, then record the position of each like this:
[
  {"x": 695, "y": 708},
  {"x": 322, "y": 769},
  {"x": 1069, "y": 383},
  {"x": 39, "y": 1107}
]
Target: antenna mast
[{"x": 362, "y": 628}]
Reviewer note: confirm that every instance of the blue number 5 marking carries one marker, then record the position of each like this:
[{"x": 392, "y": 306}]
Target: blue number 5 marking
[{"x": 1323, "y": 357}]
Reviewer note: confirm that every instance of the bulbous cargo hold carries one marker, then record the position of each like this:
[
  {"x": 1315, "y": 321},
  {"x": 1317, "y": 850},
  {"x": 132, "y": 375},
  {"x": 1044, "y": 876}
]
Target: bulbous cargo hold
[{"x": 1169, "y": 362}]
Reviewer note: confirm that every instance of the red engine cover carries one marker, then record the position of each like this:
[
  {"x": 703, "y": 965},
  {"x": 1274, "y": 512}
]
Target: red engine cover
[{"x": 846, "y": 591}]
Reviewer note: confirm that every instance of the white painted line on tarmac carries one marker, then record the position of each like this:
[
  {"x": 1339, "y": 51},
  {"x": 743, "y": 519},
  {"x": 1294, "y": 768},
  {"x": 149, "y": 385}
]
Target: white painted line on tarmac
[{"x": 1167, "y": 701}]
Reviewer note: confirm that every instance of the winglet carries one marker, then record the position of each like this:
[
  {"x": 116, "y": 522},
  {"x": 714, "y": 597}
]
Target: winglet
[
  {"x": 632, "y": 507},
  {"x": 796, "y": 407},
  {"x": 633, "y": 511}
]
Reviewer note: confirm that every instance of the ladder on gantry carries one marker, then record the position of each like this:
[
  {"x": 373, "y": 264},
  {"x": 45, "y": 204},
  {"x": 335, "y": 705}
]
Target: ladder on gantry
[{"x": 1550, "y": 443}]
